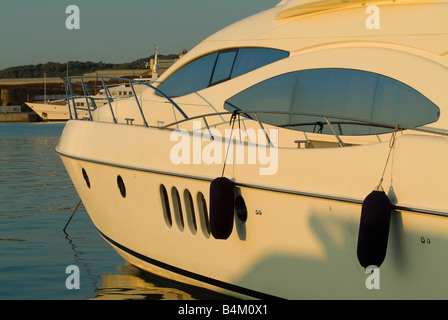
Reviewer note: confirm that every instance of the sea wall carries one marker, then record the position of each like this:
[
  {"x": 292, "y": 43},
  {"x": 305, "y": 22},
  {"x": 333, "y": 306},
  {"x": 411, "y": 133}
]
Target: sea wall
[{"x": 19, "y": 117}]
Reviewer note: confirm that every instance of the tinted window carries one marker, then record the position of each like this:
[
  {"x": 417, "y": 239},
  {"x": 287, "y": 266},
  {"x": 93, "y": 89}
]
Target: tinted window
[
  {"x": 273, "y": 94},
  {"x": 223, "y": 66},
  {"x": 337, "y": 92},
  {"x": 413, "y": 109},
  {"x": 218, "y": 67},
  {"x": 253, "y": 58},
  {"x": 193, "y": 77}
]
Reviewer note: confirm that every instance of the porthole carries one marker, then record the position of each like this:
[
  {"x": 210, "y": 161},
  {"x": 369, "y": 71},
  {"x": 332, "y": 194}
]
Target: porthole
[
  {"x": 189, "y": 208},
  {"x": 121, "y": 186},
  {"x": 86, "y": 178},
  {"x": 203, "y": 215},
  {"x": 166, "y": 206},
  {"x": 177, "y": 207}
]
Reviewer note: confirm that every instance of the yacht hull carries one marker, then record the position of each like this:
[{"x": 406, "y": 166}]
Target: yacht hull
[
  {"x": 300, "y": 237},
  {"x": 54, "y": 112}
]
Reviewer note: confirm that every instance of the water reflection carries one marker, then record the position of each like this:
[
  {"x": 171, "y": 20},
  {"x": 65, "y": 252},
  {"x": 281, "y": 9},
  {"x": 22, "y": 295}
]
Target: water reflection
[
  {"x": 133, "y": 284},
  {"x": 127, "y": 282}
]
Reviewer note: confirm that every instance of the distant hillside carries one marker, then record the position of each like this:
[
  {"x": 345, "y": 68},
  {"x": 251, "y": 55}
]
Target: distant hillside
[{"x": 75, "y": 68}]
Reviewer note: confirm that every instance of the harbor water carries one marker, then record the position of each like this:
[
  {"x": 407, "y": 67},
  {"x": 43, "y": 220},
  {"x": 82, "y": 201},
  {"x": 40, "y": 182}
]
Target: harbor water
[{"x": 37, "y": 198}]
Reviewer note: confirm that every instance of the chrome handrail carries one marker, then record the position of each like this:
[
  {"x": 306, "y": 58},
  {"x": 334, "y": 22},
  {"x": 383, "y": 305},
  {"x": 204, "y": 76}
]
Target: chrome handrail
[
  {"x": 345, "y": 120},
  {"x": 70, "y": 94}
]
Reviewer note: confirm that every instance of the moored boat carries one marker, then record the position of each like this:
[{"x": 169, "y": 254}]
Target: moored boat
[{"x": 334, "y": 162}]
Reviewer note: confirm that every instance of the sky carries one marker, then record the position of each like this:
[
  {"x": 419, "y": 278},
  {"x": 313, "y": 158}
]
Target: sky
[{"x": 111, "y": 31}]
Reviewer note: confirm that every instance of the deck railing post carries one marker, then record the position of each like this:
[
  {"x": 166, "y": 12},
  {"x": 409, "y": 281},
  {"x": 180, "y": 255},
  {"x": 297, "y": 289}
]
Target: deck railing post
[
  {"x": 73, "y": 100},
  {"x": 109, "y": 98},
  {"x": 87, "y": 98},
  {"x": 68, "y": 100},
  {"x": 138, "y": 104},
  {"x": 261, "y": 125},
  {"x": 341, "y": 144}
]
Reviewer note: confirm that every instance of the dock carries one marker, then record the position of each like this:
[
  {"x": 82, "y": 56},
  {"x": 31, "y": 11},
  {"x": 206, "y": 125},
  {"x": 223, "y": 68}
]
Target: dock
[{"x": 19, "y": 117}]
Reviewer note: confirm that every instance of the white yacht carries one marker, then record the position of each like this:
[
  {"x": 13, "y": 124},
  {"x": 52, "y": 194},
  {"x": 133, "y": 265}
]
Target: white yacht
[
  {"x": 299, "y": 153},
  {"x": 59, "y": 110}
]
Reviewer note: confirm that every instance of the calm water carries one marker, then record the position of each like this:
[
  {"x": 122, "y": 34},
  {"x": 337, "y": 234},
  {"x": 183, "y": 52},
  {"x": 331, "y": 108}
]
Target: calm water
[{"x": 36, "y": 200}]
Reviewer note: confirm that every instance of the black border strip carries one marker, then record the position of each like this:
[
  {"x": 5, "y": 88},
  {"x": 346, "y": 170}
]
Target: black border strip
[{"x": 217, "y": 283}]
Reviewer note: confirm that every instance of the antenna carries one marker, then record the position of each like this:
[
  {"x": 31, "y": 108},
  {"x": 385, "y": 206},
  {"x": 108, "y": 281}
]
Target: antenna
[{"x": 155, "y": 67}]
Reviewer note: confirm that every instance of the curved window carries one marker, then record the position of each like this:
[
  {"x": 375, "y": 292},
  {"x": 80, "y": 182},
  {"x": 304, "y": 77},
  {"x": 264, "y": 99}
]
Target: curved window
[
  {"x": 339, "y": 92},
  {"x": 86, "y": 177},
  {"x": 165, "y": 206},
  {"x": 203, "y": 215},
  {"x": 273, "y": 94},
  {"x": 224, "y": 65},
  {"x": 414, "y": 108},
  {"x": 193, "y": 77},
  {"x": 177, "y": 206},
  {"x": 336, "y": 92},
  {"x": 121, "y": 186},
  {"x": 189, "y": 207},
  {"x": 249, "y": 59},
  {"x": 218, "y": 67}
]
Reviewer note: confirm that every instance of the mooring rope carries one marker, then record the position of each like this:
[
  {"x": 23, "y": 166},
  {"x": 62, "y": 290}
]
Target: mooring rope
[
  {"x": 79, "y": 203},
  {"x": 232, "y": 122},
  {"x": 391, "y": 146}
]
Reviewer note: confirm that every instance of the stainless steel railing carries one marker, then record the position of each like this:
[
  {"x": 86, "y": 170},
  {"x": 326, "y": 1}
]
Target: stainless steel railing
[
  {"x": 91, "y": 100},
  {"x": 336, "y": 121}
]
